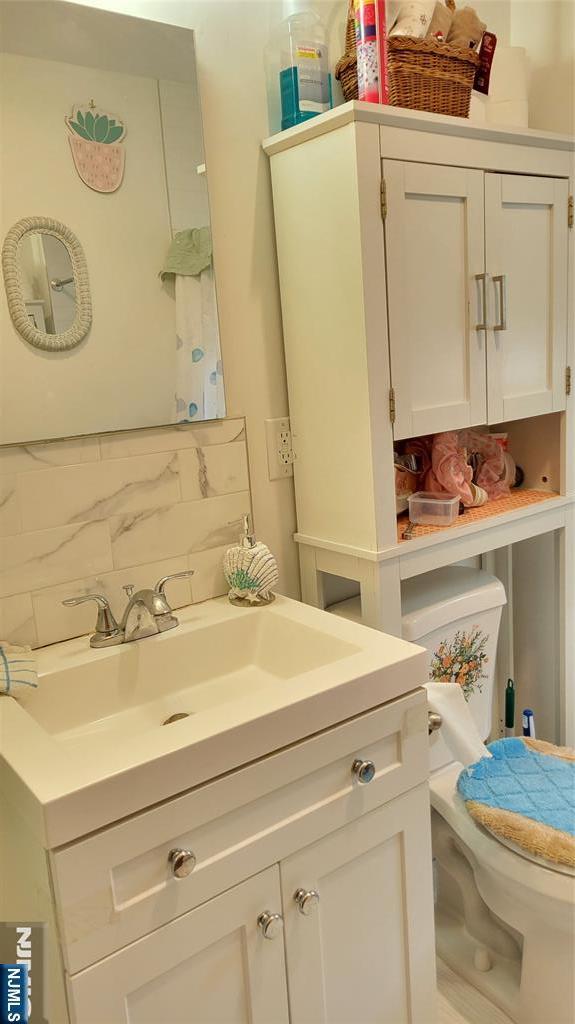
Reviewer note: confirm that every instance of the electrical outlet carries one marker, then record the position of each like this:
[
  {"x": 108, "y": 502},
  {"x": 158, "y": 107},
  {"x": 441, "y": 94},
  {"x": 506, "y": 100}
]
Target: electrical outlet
[{"x": 280, "y": 450}]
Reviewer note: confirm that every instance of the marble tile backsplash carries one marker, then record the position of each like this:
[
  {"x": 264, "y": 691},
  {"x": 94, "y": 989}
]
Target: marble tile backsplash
[{"x": 98, "y": 513}]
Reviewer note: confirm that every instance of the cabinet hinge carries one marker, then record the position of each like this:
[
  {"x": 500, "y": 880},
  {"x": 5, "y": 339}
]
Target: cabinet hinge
[
  {"x": 392, "y": 405},
  {"x": 383, "y": 199},
  {"x": 568, "y": 380},
  {"x": 570, "y": 212}
]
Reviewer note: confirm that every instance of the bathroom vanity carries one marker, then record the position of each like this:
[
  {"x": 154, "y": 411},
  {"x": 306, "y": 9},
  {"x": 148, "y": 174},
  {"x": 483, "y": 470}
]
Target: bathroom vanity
[{"x": 264, "y": 857}]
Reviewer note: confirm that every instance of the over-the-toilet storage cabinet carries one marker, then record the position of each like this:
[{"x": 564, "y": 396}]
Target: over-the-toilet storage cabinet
[{"x": 425, "y": 268}]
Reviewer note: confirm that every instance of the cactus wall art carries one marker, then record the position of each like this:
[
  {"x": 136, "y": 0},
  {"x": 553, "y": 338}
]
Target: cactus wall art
[{"x": 96, "y": 142}]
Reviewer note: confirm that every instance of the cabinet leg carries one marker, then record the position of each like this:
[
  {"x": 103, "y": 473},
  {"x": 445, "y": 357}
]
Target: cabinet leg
[
  {"x": 311, "y": 579},
  {"x": 381, "y": 596}
]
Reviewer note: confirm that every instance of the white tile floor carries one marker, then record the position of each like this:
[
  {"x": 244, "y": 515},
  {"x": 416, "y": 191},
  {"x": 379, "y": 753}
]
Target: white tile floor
[{"x": 460, "y": 1003}]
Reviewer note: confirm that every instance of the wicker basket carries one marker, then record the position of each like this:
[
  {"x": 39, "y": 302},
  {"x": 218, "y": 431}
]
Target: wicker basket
[
  {"x": 426, "y": 75},
  {"x": 346, "y": 67},
  {"x": 422, "y": 73}
]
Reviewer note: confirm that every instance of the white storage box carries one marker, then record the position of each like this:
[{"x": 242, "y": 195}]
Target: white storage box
[
  {"x": 455, "y": 613},
  {"x": 429, "y": 509}
]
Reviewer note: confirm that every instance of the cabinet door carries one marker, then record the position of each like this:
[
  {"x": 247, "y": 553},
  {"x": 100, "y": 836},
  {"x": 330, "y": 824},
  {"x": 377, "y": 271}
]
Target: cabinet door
[
  {"x": 526, "y": 259},
  {"x": 365, "y": 952},
  {"x": 434, "y": 250},
  {"x": 211, "y": 966}
]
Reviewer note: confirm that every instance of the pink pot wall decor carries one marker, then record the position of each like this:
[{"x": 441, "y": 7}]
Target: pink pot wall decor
[{"x": 96, "y": 143}]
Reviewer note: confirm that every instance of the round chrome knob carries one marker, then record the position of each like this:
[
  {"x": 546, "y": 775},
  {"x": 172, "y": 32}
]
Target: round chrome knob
[
  {"x": 270, "y": 925},
  {"x": 183, "y": 862},
  {"x": 307, "y": 900},
  {"x": 364, "y": 771},
  {"x": 434, "y": 722}
]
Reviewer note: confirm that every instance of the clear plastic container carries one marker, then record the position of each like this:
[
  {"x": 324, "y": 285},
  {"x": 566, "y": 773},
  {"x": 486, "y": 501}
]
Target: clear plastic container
[
  {"x": 428, "y": 508},
  {"x": 297, "y": 67}
]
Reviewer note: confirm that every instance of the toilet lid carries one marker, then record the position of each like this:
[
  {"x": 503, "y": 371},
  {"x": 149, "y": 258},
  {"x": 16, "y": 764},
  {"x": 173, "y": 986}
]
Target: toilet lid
[{"x": 525, "y": 795}]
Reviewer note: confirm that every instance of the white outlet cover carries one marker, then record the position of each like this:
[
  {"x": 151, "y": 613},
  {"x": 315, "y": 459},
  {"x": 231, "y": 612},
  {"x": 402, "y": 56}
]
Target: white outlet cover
[{"x": 279, "y": 448}]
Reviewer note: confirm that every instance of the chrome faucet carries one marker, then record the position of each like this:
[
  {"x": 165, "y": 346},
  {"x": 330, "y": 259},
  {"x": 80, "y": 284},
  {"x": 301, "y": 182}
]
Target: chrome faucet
[{"x": 147, "y": 613}]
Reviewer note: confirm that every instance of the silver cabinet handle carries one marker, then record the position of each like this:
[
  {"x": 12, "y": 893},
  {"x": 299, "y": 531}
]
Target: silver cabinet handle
[
  {"x": 501, "y": 280},
  {"x": 482, "y": 278},
  {"x": 364, "y": 771},
  {"x": 270, "y": 925},
  {"x": 307, "y": 900},
  {"x": 183, "y": 862}
]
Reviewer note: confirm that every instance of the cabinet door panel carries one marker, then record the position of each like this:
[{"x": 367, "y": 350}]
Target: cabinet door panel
[
  {"x": 526, "y": 244},
  {"x": 434, "y": 250},
  {"x": 211, "y": 966},
  {"x": 365, "y": 954}
]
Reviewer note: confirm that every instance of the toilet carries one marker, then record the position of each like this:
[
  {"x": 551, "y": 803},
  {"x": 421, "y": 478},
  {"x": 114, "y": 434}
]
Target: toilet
[{"x": 505, "y": 919}]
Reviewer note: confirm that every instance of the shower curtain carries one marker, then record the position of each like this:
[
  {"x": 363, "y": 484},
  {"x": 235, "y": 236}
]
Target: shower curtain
[{"x": 199, "y": 378}]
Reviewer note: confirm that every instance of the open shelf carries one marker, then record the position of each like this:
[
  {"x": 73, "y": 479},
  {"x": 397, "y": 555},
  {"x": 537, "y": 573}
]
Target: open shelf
[{"x": 514, "y": 502}]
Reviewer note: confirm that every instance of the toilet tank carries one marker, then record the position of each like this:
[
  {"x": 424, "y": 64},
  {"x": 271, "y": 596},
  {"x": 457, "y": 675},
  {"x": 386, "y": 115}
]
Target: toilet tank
[{"x": 455, "y": 613}]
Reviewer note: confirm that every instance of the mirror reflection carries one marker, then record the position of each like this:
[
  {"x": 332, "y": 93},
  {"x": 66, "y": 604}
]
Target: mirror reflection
[
  {"x": 47, "y": 279},
  {"x": 123, "y": 169}
]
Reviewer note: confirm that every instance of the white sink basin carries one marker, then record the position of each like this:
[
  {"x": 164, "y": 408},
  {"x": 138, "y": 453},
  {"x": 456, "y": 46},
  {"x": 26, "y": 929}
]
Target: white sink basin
[
  {"x": 90, "y": 745},
  {"x": 135, "y": 688}
]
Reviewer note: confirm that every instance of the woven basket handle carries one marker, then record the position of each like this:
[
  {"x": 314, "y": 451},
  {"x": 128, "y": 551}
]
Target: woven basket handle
[{"x": 350, "y": 30}]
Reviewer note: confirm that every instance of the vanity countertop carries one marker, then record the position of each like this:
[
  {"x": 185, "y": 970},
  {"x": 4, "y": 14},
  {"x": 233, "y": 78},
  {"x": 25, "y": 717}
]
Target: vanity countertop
[{"x": 88, "y": 747}]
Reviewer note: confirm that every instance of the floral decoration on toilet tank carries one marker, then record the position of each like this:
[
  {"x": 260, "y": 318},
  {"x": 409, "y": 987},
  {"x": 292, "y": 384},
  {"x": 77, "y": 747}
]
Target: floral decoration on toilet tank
[
  {"x": 96, "y": 141},
  {"x": 461, "y": 660}
]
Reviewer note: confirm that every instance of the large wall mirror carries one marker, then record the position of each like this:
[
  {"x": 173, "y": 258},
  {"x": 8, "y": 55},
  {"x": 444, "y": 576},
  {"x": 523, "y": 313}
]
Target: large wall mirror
[{"x": 108, "y": 310}]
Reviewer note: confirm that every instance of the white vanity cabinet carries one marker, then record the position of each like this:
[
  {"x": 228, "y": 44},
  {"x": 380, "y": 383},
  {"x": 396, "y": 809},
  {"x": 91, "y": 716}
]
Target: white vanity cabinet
[
  {"x": 355, "y": 940},
  {"x": 331, "y": 834},
  {"x": 355, "y": 937},
  {"x": 211, "y": 966}
]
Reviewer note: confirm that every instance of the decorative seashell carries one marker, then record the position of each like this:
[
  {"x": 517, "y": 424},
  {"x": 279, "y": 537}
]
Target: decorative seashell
[{"x": 251, "y": 572}]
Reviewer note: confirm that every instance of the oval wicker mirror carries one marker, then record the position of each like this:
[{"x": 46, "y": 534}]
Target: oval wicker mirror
[{"x": 47, "y": 286}]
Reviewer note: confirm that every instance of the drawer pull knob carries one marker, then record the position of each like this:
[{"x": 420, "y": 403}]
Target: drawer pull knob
[
  {"x": 270, "y": 925},
  {"x": 364, "y": 771},
  {"x": 183, "y": 862},
  {"x": 307, "y": 900},
  {"x": 434, "y": 721}
]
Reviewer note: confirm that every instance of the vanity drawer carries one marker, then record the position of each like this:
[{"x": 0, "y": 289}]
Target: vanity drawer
[{"x": 118, "y": 885}]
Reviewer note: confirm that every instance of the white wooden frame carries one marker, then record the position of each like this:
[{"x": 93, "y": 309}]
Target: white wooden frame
[{"x": 14, "y": 291}]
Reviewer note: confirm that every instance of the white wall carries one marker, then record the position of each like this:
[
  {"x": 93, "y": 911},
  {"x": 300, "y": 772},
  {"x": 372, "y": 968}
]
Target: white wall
[{"x": 546, "y": 28}]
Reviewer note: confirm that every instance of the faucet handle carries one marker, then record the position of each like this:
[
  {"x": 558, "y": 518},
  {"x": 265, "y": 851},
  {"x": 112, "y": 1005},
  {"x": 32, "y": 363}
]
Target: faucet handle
[
  {"x": 106, "y": 624},
  {"x": 161, "y": 584}
]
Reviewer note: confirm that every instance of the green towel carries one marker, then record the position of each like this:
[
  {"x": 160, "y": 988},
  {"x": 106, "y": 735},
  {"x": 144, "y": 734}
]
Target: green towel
[{"x": 189, "y": 253}]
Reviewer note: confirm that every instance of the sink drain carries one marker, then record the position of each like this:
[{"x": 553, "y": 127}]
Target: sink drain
[{"x": 176, "y": 717}]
